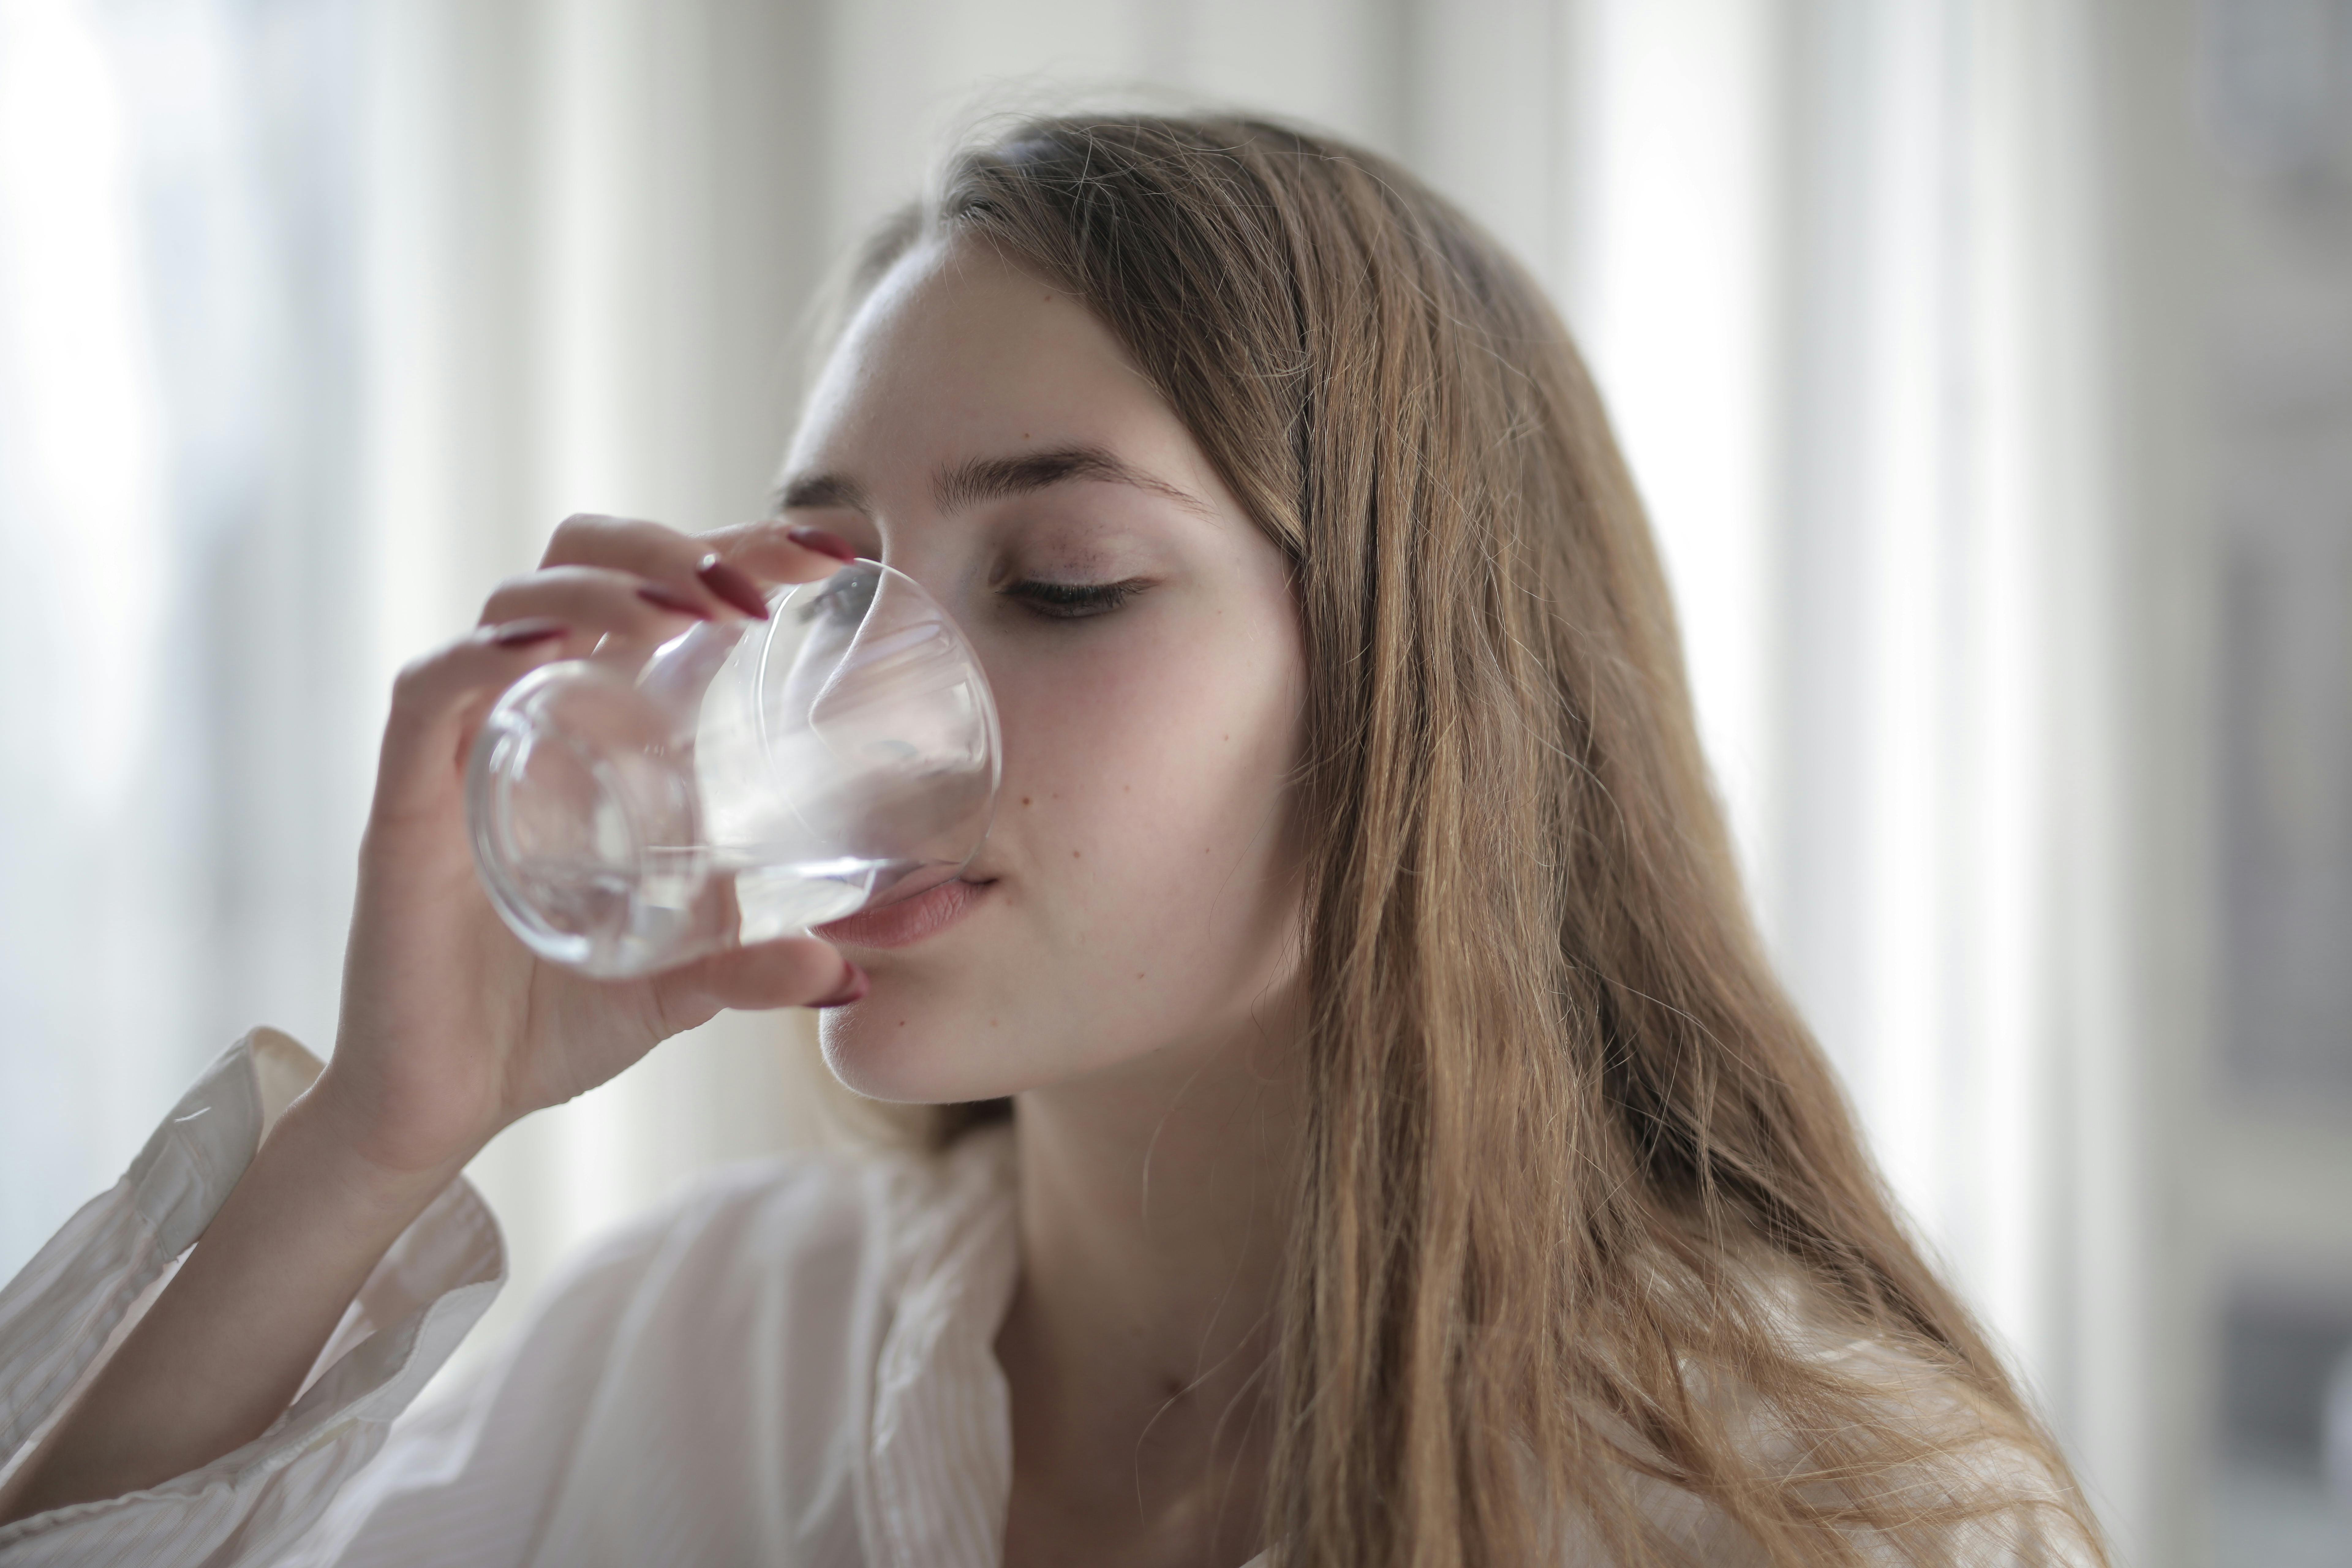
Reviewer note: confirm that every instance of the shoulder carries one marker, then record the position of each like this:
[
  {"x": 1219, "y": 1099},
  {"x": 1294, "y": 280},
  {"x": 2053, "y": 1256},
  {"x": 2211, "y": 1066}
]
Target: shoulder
[
  {"x": 1930, "y": 1466},
  {"x": 767, "y": 1285},
  {"x": 720, "y": 1346}
]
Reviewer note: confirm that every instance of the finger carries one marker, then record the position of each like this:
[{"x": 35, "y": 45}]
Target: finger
[
  {"x": 674, "y": 568},
  {"x": 723, "y": 568},
  {"x": 701, "y": 570},
  {"x": 600, "y": 600},
  {"x": 626, "y": 545},
  {"x": 796, "y": 972},
  {"x": 438, "y": 700},
  {"x": 777, "y": 550}
]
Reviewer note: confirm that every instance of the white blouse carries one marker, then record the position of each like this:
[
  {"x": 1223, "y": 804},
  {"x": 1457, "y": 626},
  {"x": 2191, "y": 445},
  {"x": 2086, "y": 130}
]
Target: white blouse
[{"x": 791, "y": 1365}]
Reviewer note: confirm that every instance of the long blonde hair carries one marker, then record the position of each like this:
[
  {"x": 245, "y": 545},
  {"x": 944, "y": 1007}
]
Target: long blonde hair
[{"x": 1564, "y": 1119}]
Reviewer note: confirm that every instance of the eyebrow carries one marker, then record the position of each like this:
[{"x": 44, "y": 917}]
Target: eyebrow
[{"x": 979, "y": 479}]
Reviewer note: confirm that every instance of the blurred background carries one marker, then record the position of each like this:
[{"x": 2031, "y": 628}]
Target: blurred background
[{"x": 1987, "y": 365}]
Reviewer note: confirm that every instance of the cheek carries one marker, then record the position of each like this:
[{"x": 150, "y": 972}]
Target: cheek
[
  {"x": 1138, "y": 784},
  {"x": 1144, "y": 890},
  {"x": 1132, "y": 782}
]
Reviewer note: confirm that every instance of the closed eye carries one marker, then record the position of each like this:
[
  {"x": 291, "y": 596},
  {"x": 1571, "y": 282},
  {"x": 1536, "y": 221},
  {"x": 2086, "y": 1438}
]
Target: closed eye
[{"x": 1073, "y": 601}]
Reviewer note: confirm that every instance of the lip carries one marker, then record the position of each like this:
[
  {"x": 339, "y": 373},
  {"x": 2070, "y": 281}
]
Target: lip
[{"x": 901, "y": 924}]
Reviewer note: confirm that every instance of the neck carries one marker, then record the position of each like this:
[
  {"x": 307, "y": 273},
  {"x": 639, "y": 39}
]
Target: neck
[{"x": 1154, "y": 1215}]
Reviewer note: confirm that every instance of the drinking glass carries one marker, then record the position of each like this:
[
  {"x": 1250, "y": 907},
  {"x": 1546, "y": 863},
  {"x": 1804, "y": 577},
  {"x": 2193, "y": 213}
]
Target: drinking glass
[{"x": 746, "y": 780}]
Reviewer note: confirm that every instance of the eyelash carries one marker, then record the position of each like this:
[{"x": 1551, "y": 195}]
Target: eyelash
[{"x": 1075, "y": 601}]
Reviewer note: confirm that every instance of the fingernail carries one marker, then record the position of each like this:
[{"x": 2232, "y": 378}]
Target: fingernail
[
  {"x": 810, "y": 537},
  {"x": 852, "y": 986},
  {"x": 733, "y": 586},
  {"x": 664, "y": 596},
  {"x": 522, "y": 634}
]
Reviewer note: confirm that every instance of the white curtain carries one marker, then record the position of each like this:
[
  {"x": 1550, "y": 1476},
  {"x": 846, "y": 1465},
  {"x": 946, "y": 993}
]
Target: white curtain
[
  {"x": 181, "y": 753},
  {"x": 1855, "y": 276}
]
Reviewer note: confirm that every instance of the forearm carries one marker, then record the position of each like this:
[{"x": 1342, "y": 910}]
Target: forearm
[{"x": 224, "y": 1348}]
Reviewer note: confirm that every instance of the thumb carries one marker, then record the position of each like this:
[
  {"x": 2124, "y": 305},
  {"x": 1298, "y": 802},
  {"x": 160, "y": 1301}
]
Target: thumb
[{"x": 792, "y": 971}]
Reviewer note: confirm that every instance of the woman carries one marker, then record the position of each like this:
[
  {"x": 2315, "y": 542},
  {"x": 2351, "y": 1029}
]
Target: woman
[{"x": 1366, "y": 1129}]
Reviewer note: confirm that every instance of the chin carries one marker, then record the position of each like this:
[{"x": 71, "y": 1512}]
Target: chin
[{"x": 886, "y": 1050}]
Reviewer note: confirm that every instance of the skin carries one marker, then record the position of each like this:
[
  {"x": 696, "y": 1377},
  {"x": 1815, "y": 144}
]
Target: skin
[
  {"x": 1131, "y": 971},
  {"x": 1128, "y": 970}
]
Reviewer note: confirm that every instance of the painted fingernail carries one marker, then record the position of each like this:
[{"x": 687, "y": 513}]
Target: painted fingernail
[
  {"x": 522, "y": 634},
  {"x": 663, "y": 596},
  {"x": 809, "y": 537},
  {"x": 733, "y": 586},
  {"x": 852, "y": 986}
]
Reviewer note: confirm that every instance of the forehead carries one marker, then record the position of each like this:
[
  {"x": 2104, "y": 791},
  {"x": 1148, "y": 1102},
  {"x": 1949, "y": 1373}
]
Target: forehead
[{"x": 957, "y": 348}]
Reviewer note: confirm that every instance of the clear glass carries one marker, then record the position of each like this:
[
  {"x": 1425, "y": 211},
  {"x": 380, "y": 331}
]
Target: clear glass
[{"x": 747, "y": 780}]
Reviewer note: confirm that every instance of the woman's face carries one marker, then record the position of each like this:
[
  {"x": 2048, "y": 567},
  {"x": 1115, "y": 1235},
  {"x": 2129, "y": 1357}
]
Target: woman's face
[{"x": 1139, "y": 898}]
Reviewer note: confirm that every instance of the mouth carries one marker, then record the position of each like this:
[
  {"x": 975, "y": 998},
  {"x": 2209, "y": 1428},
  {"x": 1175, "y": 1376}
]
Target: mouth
[{"x": 908, "y": 922}]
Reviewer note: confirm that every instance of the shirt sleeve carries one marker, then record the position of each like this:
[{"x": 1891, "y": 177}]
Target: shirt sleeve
[{"x": 73, "y": 1302}]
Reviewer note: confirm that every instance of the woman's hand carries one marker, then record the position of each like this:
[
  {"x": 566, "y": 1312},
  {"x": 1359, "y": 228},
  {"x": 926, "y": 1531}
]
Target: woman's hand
[{"x": 451, "y": 1028}]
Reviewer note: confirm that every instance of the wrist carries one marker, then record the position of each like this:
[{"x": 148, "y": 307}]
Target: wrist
[{"x": 326, "y": 1135}]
